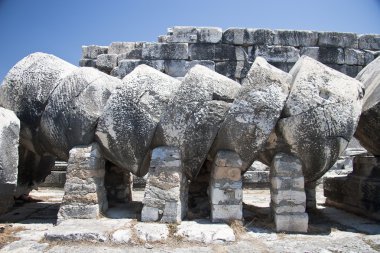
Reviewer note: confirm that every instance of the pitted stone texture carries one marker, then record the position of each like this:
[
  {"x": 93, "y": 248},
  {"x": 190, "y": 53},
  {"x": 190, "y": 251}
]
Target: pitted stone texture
[
  {"x": 148, "y": 232},
  {"x": 320, "y": 115},
  {"x": 127, "y": 126},
  {"x": 277, "y": 53},
  {"x": 217, "y": 52},
  {"x": 85, "y": 194},
  {"x": 71, "y": 116},
  {"x": 166, "y": 191},
  {"x": 368, "y": 128},
  {"x": 233, "y": 69},
  {"x": 288, "y": 198},
  {"x": 92, "y": 51},
  {"x": 370, "y": 41},
  {"x": 335, "y": 39},
  {"x": 164, "y": 51},
  {"x": 254, "y": 113},
  {"x": 193, "y": 116},
  {"x": 106, "y": 62},
  {"x": 203, "y": 232},
  {"x": 127, "y": 66},
  {"x": 179, "y": 68},
  {"x": 27, "y": 88},
  {"x": 188, "y": 34},
  {"x": 357, "y": 57},
  {"x": 126, "y": 50},
  {"x": 296, "y": 38},
  {"x": 241, "y": 36}
]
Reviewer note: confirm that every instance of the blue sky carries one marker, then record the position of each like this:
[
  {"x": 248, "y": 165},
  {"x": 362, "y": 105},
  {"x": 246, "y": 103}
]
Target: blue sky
[{"x": 60, "y": 27}]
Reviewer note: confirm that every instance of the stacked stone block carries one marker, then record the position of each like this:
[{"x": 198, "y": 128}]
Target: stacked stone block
[
  {"x": 225, "y": 189},
  {"x": 85, "y": 194},
  {"x": 360, "y": 190},
  {"x": 166, "y": 191},
  {"x": 231, "y": 52},
  {"x": 288, "y": 198}
]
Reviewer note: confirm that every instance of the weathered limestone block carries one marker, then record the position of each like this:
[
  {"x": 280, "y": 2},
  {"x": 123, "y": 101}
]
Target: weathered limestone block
[
  {"x": 312, "y": 52},
  {"x": 92, "y": 51},
  {"x": 126, "y": 50},
  {"x": 254, "y": 112},
  {"x": 85, "y": 195},
  {"x": 128, "y": 123},
  {"x": 320, "y": 115},
  {"x": 193, "y": 116},
  {"x": 188, "y": 34},
  {"x": 217, "y": 52},
  {"x": 277, "y": 53},
  {"x": 370, "y": 41},
  {"x": 233, "y": 69},
  {"x": 165, "y": 51},
  {"x": 368, "y": 128},
  {"x": 357, "y": 57},
  {"x": 288, "y": 199},
  {"x": 336, "y": 39},
  {"x": 9, "y": 141},
  {"x": 179, "y": 68},
  {"x": 106, "y": 62},
  {"x": 127, "y": 66},
  {"x": 87, "y": 63},
  {"x": 166, "y": 191},
  {"x": 234, "y": 36},
  {"x": 225, "y": 189},
  {"x": 27, "y": 88},
  {"x": 333, "y": 55},
  {"x": 258, "y": 37},
  {"x": 295, "y": 38},
  {"x": 71, "y": 116}
]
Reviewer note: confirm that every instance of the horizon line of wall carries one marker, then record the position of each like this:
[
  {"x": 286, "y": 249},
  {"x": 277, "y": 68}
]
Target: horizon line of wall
[{"x": 231, "y": 52}]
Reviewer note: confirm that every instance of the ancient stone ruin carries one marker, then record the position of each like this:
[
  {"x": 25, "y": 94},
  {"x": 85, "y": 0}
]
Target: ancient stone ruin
[{"x": 199, "y": 102}]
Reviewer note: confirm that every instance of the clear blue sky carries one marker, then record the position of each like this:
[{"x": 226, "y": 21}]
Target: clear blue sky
[{"x": 60, "y": 27}]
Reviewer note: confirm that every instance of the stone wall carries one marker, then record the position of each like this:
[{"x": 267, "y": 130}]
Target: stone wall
[{"x": 231, "y": 52}]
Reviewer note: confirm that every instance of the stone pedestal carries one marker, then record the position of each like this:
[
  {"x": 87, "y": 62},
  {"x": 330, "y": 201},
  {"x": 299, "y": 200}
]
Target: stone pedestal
[
  {"x": 359, "y": 192},
  {"x": 166, "y": 190},
  {"x": 288, "y": 198},
  {"x": 85, "y": 194},
  {"x": 225, "y": 190}
]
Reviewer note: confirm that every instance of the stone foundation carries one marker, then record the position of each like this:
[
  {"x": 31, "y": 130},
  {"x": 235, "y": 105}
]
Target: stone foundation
[
  {"x": 358, "y": 192},
  {"x": 166, "y": 191},
  {"x": 288, "y": 198},
  {"x": 85, "y": 194},
  {"x": 225, "y": 190}
]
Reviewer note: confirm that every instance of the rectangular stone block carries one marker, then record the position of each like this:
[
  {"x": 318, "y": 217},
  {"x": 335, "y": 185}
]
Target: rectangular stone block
[
  {"x": 277, "y": 53},
  {"x": 126, "y": 50},
  {"x": 228, "y": 173},
  {"x": 284, "y": 66},
  {"x": 350, "y": 70},
  {"x": 182, "y": 34},
  {"x": 173, "y": 212},
  {"x": 234, "y": 36},
  {"x": 227, "y": 159},
  {"x": 280, "y": 183},
  {"x": 258, "y": 37},
  {"x": 165, "y": 51},
  {"x": 78, "y": 211},
  {"x": 220, "y": 213},
  {"x": 286, "y": 166},
  {"x": 179, "y": 68},
  {"x": 312, "y": 52},
  {"x": 226, "y": 184},
  {"x": 87, "y": 63},
  {"x": 369, "y": 41},
  {"x": 357, "y": 57},
  {"x": 127, "y": 66},
  {"x": 336, "y": 39},
  {"x": 209, "y": 34},
  {"x": 106, "y": 62},
  {"x": 149, "y": 213},
  {"x": 92, "y": 51},
  {"x": 296, "y": 38},
  {"x": 226, "y": 197},
  {"x": 289, "y": 196},
  {"x": 289, "y": 209},
  {"x": 297, "y": 223},
  {"x": 201, "y": 51}
]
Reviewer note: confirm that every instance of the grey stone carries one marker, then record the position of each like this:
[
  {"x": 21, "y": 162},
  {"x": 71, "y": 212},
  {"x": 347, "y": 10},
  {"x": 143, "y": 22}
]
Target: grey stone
[
  {"x": 259, "y": 37},
  {"x": 92, "y": 51},
  {"x": 233, "y": 69},
  {"x": 127, "y": 66},
  {"x": 179, "y": 68},
  {"x": 149, "y": 232},
  {"x": 312, "y": 52},
  {"x": 26, "y": 90},
  {"x": 277, "y": 53},
  {"x": 190, "y": 34},
  {"x": 55, "y": 179},
  {"x": 336, "y": 39},
  {"x": 194, "y": 114},
  {"x": 333, "y": 55},
  {"x": 218, "y": 52},
  {"x": 320, "y": 115},
  {"x": 165, "y": 51},
  {"x": 234, "y": 36},
  {"x": 71, "y": 116},
  {"x": 254, "y": 112},
  {"x": 369, "y": 41},
  {"x": 87, "y": 63},
  {"x": 368, "y": 127},
  {"x": 121, "y": 236},
  {"x": 357, "y": 57},
  {"x": 350, "y": 70},
  {"x": 295, "y": 38},
  {"x": 209, "y": 34},
  {"x": 292, "y": 222},
  {"x": 204, "y": 232},
  {"x": 138, "y": 104},
  {"x": 106, "y": 62},
  {"x": 220, "y": 213},
  {"x": 126, "y": 50}
]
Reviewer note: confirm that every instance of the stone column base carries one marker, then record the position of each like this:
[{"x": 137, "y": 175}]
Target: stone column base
[
  {"x": 288, "y": 198},
  {"x": 85, "y": 194},
  {"x": 166, "y": 190},
  {"x": 225, "y": 190}
]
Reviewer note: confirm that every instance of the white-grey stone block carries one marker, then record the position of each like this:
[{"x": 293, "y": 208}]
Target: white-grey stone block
[
  {"x": 149, "y": 213},
  {"x": 151, "y": 232},
  {"x": 289, "y": 196},
  {"x": 369, "y": 41},
  {"x": 291, "y": 222},
  {"x": 312, "y": 52},
  {"x": 220, "y": 213},
  {"x": 258, "y": 37},
  {"x": 121, "y": 236},
  {"x": 234, "y": 36},
  {"x": 226, "y": 197},
  {"x": 179, "y": 68},
  {"x": 165, "y": 51},
  {"x": 336, "y": 39},
  {"x": 106, "y": 62},
  {"x": 92, "y": 51},
  {"x": 278, "y": 53},
  {"x": 209, "y": 34},
  {"x": 357, "y": 57},
  {"x": 295, "y": 38}
]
